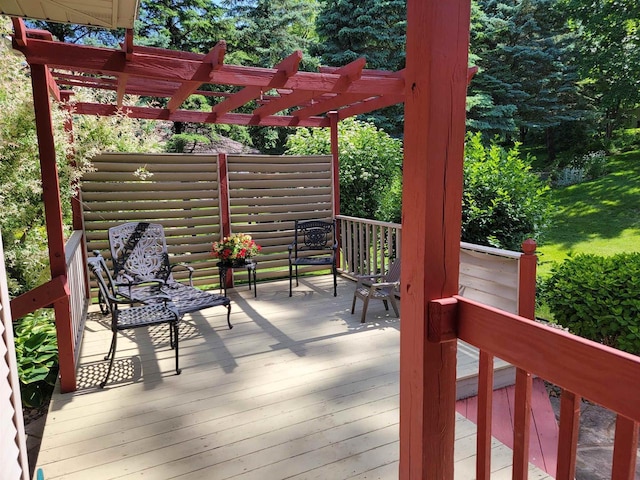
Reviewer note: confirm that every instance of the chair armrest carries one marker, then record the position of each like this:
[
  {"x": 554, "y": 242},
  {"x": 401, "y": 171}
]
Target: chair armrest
[
  {"x": 187, "y": 267},
  {"x": 368, "y": 279},
  {"x": 385, "y": 284}
]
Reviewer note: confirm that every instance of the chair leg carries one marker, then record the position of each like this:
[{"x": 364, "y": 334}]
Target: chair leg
[
  {"x": 353, "y": 304},
  {"x": 290, "y": 279},
  {"x": 112, "y": 347},
  {"x": 297, "y": 284},
  {"x": 394, "y": 304},
  {"x": 112, "y": 351},
  {"x": 174, "y": 326},
  {"x": 229, "y": 316},
  {"x": 364, "y": 310},
  {"x": 386, "y": 305},
  {"x": 335, "y": 281}
]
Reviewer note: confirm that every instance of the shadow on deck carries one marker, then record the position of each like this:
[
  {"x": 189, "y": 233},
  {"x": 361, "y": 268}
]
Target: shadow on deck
[{"x": 299, "y": 388}]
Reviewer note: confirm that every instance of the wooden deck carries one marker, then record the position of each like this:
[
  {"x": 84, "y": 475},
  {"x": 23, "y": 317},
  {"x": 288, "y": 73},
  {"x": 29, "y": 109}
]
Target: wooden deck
[{"x": 297, "y": 389}]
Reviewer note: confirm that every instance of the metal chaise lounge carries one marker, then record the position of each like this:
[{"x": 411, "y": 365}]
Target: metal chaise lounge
[{"x": 142, "y": 270}]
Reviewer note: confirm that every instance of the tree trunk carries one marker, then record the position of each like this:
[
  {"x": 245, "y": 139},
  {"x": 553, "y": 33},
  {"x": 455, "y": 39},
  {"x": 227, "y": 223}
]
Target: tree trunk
[{"x": 551, "y": 145}]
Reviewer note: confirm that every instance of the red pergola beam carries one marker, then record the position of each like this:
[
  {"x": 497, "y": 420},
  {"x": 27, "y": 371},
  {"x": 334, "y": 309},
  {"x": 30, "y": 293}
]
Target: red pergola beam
[
  {"x": 213, "y": 60},
  {"x": 200, "y": 117},
  {"x": 328, "y": 104},
  {"x": 285, "y": 69},
  {"x": 297, "y": 97},
  {"x": 106, "y": 61},
  {"x": 369, "y": 105}
]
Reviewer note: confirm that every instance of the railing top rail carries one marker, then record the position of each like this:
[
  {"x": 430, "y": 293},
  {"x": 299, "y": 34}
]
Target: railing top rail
[
  {"x": 73, "y": 243},
  {"x": 599, "y": 373},
  {"x": 490, "y": 250},
  {"x": 369, "y": 222}
]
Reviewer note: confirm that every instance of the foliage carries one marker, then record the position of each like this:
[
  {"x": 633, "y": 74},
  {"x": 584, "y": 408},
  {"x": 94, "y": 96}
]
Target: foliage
[
  {"x": 504, "y": 202},
  {"x": 625, "y": 140},
  {"x": 22, "y": 219},
  {"x": 609, "y": 55},
  {"x": 374, "y": 29},
  {"x": 191, "y": 25},
  {"x": 369, "y": 161},
  {"x": 37, "y": 356},
  {"x": 185, "y": 142},
  {"x": 270, "y": 30},
  {"x": 390, "y": 209},
  {"x": 523, "y": 49},
  {"x": 235, "y": 246},
  {"x": 600, "y": 216},
  {"x": 589, "y": 166},
  {"x": 598, "y": 298}
]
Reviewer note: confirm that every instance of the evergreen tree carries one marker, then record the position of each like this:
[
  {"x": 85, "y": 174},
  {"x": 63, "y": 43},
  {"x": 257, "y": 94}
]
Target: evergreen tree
[
  {"x": 524, "y": 82},
  {"x": 270, "y": 30},
  {"x": 191, "y": 25},
  {"x": 375, "y": 29}
]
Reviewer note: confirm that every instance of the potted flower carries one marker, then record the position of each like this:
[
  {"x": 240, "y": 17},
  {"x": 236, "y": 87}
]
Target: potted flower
[{"x": 235, "y": 249}]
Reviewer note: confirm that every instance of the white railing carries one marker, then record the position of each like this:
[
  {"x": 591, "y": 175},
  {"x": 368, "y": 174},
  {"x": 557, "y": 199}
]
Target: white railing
[
  {"x": 367, "y": 246},
  {"x": 488, "y": 275},
  {"x": 76, "y": 279}
]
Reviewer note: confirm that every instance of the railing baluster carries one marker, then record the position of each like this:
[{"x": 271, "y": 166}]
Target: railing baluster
[
  {"x": 568, "y": 435},
  {"x": 625, "y": 449},
  {"x": 522, "y": 424},
  {"x": 484, "y": 416}
]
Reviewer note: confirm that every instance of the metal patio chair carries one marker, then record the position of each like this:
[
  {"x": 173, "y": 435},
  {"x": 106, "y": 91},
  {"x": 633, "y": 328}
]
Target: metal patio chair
[
  {"x": 142, "y": 269},
  {"x": 314, "y": 243},
  {"x": 136, "y": 315},
  {"x": 382, "y": 287}
]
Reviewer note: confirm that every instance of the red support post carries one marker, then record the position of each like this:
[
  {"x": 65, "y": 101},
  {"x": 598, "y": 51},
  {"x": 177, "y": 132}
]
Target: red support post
[
  {"x": 335, "y": 176},
  {"x": 435, "y": 89},
  {"x": 76, "y": 199},
  {"x": 524, "y": 380},
  {"x": 224, "y": 206},
  {"x": 53, "y": 217},
  {"x": 527, "y": 280}
]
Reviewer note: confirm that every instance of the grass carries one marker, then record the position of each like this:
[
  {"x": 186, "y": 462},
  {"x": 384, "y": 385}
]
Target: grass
[{"x": 600, "y": 217}]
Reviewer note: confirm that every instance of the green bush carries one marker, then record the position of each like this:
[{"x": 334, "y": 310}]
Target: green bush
[
  {"x": 504, "y": 202},
  {"x": 598, "y": 298},
  {"x": 370, "y": 160},
  {"x": 37, "y": 356}
]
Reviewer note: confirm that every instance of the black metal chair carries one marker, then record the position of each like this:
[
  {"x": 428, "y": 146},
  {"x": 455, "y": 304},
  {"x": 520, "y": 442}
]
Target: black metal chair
[
  {"x": 142, "y": 269},
  {"x": 136, "y": 315},
  {"x": 314, "y": 243}
]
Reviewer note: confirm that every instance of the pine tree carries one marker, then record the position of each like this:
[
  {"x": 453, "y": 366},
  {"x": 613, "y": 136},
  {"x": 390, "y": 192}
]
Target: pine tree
[{"x": 524, "y": 83}]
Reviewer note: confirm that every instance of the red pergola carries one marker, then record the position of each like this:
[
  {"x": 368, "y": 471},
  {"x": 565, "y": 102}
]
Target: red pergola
[{"x": 433, "y": 87}]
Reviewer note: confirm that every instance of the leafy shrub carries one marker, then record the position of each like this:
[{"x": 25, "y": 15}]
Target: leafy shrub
[
  {"x": 504, "y": 202},
  {"x": 598, "y": 298},
  {"x": 37, "y": 355},
  {"x": 369, "y": 161},
  {"x": 580, "y": 169},
  {"x": 625, "y": 140}
]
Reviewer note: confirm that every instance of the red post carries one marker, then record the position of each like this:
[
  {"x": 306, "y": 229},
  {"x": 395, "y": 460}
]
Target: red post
[
  {"x": 435, "y": 95},
  {"x": 524, "y": 380},
  {"x": 224, "y": 205},
  {"x": 53, "y": 217},
  {"x": 527, "y": 280},
  {"x": 335, "y": 176}
]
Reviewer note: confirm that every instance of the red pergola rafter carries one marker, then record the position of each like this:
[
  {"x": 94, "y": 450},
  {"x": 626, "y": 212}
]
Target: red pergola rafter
[{"x": 302, "y": 98}]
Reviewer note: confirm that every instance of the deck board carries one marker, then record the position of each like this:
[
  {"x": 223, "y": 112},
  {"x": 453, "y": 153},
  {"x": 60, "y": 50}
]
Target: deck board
[{"x": 298, "y": 389}]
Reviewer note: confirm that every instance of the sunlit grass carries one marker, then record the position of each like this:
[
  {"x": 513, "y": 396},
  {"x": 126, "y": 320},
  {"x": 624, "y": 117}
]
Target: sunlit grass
[{"x": 600, "y": 217}]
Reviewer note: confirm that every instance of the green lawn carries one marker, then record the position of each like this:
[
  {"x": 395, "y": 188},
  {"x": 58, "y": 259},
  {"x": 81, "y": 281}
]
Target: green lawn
[{"x": 601, "y": 216}]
